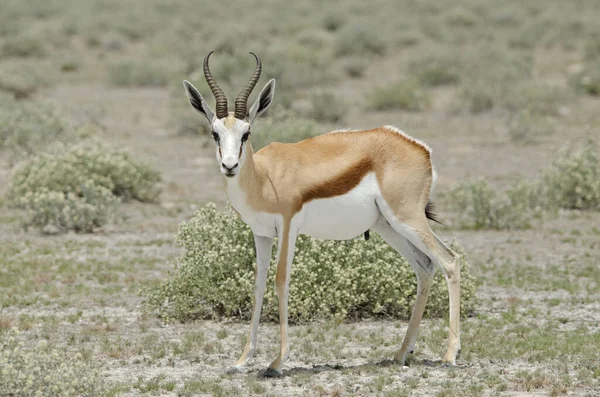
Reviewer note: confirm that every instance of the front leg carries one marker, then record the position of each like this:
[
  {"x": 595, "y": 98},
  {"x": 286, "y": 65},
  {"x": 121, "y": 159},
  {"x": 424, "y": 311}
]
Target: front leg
[
  {"x": 263, "y": 258},
  {"x": 285, "y": 256}
]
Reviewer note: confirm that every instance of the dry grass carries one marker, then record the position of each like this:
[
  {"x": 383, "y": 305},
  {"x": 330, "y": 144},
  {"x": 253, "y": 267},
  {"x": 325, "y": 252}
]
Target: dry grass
[{"x": 496, "y": 88}]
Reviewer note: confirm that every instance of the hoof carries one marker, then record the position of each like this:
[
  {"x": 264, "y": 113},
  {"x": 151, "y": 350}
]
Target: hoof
[{"x": 271, "y": 373}]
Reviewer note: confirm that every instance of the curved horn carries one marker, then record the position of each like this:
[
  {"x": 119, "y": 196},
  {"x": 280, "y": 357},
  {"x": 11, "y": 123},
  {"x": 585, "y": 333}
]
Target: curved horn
[
  {"x": 241, "y": 102},
  {"x": 221, "y": 106}
]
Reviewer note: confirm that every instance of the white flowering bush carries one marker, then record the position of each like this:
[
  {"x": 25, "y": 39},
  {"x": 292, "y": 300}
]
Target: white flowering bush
[
  {"x": 44, "y": 371},
  {"x": 26, "y": 126},
  {"x": 78, "y": 187},
  {"x": 572, "y": 181},
  {"x": 354, "y": 279},
  {"x": 476, "y": 205}
]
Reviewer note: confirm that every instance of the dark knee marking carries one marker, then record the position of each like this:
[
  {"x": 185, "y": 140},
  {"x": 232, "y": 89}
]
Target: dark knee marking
[{"x": 422, "y": 260}]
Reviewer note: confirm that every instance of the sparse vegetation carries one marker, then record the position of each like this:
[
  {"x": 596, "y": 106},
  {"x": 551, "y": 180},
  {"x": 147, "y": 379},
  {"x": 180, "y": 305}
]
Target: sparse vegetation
[
  {"x": 28, "y": 126},
  {"x": 405, "y": 95},
  {"x": 571, "y": 182},
  {"x": 23, "y": 47},
  {"x": 142, "y": 74},
  {"x": 505, "y": 85},
  {"x": 326, "y": 107},
  {"x": 283, "y": 127},
  {"x": 20, "y": 80},
  {"x": 360, "y": 39},
  {"x": 44, "y": 370},
  {"x": 351, "y": 279},
  {"x": 78, "y": 188}
]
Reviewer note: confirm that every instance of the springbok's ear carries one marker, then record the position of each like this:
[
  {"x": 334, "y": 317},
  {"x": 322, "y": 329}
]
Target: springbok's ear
[
  {"x": 197, "y": 101},
  {"x": 263, "y": 101}
]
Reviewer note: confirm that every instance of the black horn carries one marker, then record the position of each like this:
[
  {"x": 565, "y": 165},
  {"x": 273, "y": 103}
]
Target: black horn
[
  {"x": 241, "y": 102},
  {"x": 221, "y": 107}
]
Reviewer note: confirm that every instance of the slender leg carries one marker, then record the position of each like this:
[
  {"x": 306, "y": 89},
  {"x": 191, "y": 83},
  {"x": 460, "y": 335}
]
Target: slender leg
[
  {"x": 417, "y": 231},
  {"x": 287, "y": 242},
  {"x": 263, "y": 258},
  {"x": 424, "y": 269},
  {"x": 451, "y": 271}
]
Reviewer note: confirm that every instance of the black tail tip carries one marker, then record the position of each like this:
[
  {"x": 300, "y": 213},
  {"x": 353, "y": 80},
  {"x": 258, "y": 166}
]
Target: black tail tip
[{"x": 430, "y": 213}]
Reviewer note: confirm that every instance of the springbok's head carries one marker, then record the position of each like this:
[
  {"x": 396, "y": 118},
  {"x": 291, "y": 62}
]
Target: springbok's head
[{"x": 231, "y": 130}]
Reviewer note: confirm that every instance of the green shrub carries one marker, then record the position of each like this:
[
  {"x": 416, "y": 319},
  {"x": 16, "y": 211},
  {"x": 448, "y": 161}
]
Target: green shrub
[
  {"x": 332, "y": 21},
  {"x": 437, "y": 70},
  {"x": 360, "y": 40},
  {"x": 479, "y": 97},
  {"x": 27, "y": 126},
  {"x": 588, "y": 81},
  {"x": 573, "y": 180},
  {"x": 355, "y": 66},
  {"x": 476, "y": 205},
  {"x": 78, "y": 187},
  {"x": 283, "y": 127},
  {"x": 21, "y": 80},
  {"x": 326, "y": 107},
  {"x": 141, "y": 74},
  {"x": 405, "y": 95},
  {"x": 44, "y": 370},
  {"x": 23, "y": 46},
  {"x": 355, "y": 279}
]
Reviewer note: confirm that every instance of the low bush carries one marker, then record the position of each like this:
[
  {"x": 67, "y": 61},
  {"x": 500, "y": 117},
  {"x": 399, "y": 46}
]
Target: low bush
[
  {"x": 20, "y": 80},
  {"x": 23, "y": 47},
  {"x": 572, "y": 181},
  {"x": 405, "y": 95},
  {"x": 353, "y": 279},
  {"x": 326, "y": 107},
  {"x": 588, "y": 80},
  {"x": 437, "y": 70},
  {"x": 476, "y": 205},
  {"x": 140, "y": 74},
  {"x": 27, "y": 126},
  {"x": 283, "y": 126},
  {"x": 357, "y": 39},
  {"x": 78, "y": 187},
  {"x": 45, "y": 371},
  {"x": 355, "y": 66}
]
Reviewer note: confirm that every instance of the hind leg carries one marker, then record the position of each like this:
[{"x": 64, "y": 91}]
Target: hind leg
[
  {"x": 416, "y": 230},
  {"x": 424, "y": 269}
]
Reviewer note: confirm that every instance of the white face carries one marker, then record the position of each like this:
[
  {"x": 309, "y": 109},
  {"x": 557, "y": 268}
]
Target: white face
[
  {"x": 231, "y": 135},
  {"x": 231, "y": 138}
]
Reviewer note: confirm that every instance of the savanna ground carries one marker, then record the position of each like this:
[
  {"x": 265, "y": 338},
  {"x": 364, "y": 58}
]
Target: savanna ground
[{"x": 495, "y": 88}]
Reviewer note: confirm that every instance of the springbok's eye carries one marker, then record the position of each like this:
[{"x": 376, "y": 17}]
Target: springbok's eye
[
  {"x": 245, "y": 136},
  {"x": 216, "y": 137}
]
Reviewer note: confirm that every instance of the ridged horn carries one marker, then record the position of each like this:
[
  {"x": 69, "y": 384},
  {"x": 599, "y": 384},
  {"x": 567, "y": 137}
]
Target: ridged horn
[
  {"x": 221, "y": 106},
  {"x": 241, "y": 102}
]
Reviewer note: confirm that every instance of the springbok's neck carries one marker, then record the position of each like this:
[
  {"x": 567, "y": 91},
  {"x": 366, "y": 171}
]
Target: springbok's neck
[{"x": 249, "y": 177}]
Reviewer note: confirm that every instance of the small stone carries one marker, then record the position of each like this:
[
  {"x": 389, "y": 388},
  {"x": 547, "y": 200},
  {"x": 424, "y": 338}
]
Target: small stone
[
  {"x": 564, "y": 111},
  {"x": 50, "y": 229}
]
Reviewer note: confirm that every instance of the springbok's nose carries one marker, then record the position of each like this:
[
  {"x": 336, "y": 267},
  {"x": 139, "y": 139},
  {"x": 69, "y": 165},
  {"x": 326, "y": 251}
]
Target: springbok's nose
[{"x": 229, "y": 168}]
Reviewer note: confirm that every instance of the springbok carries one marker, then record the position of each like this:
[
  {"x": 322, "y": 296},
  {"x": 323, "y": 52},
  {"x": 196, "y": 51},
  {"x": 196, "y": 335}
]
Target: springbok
[{"x": 334, "y": 186}]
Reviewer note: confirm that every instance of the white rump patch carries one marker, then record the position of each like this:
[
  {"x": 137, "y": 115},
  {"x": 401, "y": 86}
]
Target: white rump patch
[{"x": 410, "y": 138}]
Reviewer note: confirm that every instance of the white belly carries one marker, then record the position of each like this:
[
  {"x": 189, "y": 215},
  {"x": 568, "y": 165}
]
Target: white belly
[{"x": 341, "y": 217}]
